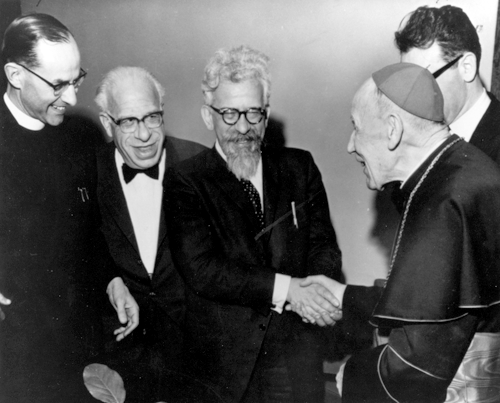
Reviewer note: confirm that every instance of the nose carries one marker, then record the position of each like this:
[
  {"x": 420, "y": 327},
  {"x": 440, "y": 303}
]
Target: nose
[
  {"x": 242, "y": 125},
  {"x": 69, "y": 95},
  {"x": 143, "y": 133},
  {"x": 350, "y": 145}
]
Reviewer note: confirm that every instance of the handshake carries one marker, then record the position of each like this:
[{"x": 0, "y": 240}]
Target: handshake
[{"x": 317, "y": 299}]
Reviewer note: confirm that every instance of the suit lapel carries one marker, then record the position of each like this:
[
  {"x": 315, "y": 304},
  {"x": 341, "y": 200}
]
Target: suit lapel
[
  {"x": 113, "y": 196},
  {"x": 232, "y": 187},
  {"x": 171, "y": 158},
  {"x": 272, "y": 189}
]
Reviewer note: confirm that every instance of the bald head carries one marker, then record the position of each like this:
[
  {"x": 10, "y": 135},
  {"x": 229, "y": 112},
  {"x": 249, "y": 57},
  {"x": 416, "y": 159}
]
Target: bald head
[{"x": 131, "y": 103}]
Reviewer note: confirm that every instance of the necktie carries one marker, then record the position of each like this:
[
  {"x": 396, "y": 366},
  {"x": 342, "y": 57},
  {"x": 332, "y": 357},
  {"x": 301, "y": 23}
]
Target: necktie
[
  {"x": 254, "y": 197},
  {"x": 129, "y": 173}
]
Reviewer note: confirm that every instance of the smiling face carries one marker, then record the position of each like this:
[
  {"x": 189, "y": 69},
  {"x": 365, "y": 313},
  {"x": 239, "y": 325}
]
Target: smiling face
[
  {"x": 58, "y": 62},
  {"x": 369, "y": 140},
  {"x": 240, "y": 142},
  {"x": 451, "y": 82},
  {"x": 135, "y": 98}
]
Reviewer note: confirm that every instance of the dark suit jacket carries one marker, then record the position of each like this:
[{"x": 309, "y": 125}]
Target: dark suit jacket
[
  {"x": 160, "y": 298},
  {"x": 52, "y": 258},
  {"x": 230, "y": 273},
  {"x": 486, "y": 137}
]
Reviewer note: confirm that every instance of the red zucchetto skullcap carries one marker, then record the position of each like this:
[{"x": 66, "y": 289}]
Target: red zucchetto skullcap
[{"x": 412, "y": 88}]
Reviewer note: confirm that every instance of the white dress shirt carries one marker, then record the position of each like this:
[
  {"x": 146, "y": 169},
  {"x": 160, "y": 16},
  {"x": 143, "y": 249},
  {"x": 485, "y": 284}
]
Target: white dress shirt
[
  {"x": 144, "y": 198},
  {"x": 281, "y": 281},
  {"x": 465, "y": 125},
  {"x": 22, "y": 119}
]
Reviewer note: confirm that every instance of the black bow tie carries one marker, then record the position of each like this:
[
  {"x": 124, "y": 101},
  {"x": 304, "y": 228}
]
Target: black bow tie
[{"x": 129, "y": 173}]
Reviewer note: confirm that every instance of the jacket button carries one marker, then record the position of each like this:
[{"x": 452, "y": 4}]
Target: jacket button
[
  {"x": 143, "y": 332},
  {"x": 262, "y": 327},
  {"x": 139, "y": 262}
]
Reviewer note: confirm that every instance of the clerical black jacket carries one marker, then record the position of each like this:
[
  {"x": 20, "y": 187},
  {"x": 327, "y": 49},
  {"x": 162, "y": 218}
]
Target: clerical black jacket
[
  {"x": 54, "y": 263},
  {"x": 444, "y": 284}
]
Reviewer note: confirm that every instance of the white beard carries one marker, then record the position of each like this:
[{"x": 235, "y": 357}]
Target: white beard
[{"x": 242, "y": 161}]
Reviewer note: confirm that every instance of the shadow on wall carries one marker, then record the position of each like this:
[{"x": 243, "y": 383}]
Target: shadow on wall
[{"x": 275, "y": 133}]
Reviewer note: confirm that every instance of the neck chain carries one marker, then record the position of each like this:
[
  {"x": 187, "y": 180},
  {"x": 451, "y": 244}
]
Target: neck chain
[{"x": 408, "y": 203}]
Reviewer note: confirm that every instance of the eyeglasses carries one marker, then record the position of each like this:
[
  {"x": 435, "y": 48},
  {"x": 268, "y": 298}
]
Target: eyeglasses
[
  {"x": 437, "y": 73},
  {"x": 59, "y": 88},
  {"x": 129, "y": 125},
  {"x": 231, "y": 116}
]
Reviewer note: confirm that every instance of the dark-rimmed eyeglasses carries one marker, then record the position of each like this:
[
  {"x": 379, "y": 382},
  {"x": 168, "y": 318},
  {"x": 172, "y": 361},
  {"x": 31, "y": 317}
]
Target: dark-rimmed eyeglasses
[
  {"x": 130, "y": 124},
  {"x": 437, "y": 73},
  {"x": 59, "y": 88},
  {"x": 231, "y": 116}
]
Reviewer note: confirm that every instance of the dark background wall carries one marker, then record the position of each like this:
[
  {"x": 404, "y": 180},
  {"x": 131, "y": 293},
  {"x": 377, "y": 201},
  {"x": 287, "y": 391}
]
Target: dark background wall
[{"x": 321, "y": 51}]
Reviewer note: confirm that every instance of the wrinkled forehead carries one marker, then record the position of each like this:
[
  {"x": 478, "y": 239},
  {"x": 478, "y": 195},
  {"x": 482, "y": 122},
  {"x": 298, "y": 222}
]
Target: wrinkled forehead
[
  {"x": 245, "y": 91},
  {"x": 134, "y": 97}
]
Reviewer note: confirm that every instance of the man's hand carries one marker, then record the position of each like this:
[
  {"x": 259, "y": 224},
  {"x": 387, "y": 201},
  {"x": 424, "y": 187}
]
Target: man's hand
[
  {"x": 334, "y": 287},
  {"x": 125, "y": 305},
  {"x": 314, "y": 303},
  {"x": 3, "y": 301}
]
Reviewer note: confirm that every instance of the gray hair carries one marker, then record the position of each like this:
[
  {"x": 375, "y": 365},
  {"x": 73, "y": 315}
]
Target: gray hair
[
  {"x": 114, "y": 77},
  {"x": 236, "y": 65}
]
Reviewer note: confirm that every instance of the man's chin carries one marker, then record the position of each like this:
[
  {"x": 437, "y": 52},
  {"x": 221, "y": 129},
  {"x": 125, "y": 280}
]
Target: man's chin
[{"x": 54, "y": 120}]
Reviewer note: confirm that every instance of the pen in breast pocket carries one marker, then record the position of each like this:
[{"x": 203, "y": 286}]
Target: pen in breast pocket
[{"x": 294, "y": 213}]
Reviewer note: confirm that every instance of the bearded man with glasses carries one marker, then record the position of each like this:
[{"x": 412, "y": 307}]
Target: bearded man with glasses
[
  {"x": 55, "y": 267},
  {"x": 130, "y": 191},
  {"x": 247, "y": 222},
  {"x": 445, "y": 41}
]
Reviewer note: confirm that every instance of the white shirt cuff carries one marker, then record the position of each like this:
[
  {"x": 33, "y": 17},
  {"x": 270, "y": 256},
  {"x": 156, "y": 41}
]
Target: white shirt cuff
[{"x": 281, "y": 285}]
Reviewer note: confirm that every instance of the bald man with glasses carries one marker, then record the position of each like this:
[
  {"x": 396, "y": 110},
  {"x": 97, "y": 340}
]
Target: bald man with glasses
[
  {"x": 130, "y": 192},
  {"x": 445, "y": 41}
]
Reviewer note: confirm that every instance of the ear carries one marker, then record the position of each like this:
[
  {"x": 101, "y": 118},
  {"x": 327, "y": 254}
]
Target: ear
[
  {"x": 468, "y": 67},
  {"x": 107, "y": 124},
  {"x": 395, "y": 131},
  {"x": 268, "y": 113},
  {"x": 14, "y": 74},
  {"x": 206, "y": 115}
]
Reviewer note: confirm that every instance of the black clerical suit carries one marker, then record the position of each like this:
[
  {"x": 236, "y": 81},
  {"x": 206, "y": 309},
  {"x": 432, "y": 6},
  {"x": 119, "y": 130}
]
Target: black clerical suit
[
  {"x": 444, "y": 286},
  {"x": 160, "y": 297},
  {"x": 486, "y": 137},
  {"x": 229, "y": 266},
  {"x": 54, "y": 263}
]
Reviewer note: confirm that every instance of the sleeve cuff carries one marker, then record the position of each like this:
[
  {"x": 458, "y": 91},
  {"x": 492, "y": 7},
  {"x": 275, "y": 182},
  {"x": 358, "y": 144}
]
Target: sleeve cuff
[{"x": 281, "y": 285}]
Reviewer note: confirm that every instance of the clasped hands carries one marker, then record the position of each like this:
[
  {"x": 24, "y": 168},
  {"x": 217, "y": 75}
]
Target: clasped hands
[{"x": 317, "y": 299}]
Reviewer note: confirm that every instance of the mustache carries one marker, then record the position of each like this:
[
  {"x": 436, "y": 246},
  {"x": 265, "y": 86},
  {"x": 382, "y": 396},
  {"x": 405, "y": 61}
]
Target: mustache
[{"x": 250, "y": 136}]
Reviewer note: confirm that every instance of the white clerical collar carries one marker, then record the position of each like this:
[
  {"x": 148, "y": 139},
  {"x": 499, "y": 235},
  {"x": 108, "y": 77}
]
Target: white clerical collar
[
  {"x": 465, "y": 125},
  {"x": 22, "y": 119}
]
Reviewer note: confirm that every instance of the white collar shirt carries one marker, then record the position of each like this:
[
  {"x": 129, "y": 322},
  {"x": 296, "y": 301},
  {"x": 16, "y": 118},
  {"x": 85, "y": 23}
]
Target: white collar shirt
[
  {"x": 466, "y": 124},
  {"x": 22, "y": 119},
  {"x": 144, "y": 201}
]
